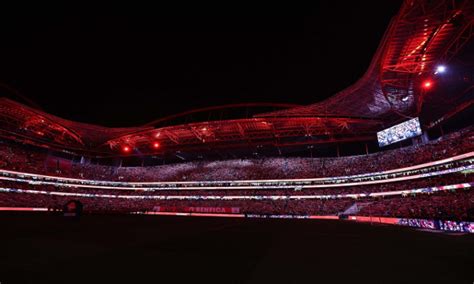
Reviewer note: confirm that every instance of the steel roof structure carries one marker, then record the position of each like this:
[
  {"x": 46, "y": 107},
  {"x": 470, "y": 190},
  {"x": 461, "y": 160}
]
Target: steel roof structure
[{"x": 423, "y": 34}]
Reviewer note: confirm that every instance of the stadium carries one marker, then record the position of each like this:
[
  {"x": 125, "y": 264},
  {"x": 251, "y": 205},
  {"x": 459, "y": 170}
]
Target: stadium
[{"x": 373, "y": 183}]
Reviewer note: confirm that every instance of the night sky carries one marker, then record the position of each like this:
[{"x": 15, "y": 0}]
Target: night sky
[{"x": 126, "y": 67}]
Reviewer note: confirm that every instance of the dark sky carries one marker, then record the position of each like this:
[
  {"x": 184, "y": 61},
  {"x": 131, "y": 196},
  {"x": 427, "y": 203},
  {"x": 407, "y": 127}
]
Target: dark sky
[{"x": 126, "y": 67}]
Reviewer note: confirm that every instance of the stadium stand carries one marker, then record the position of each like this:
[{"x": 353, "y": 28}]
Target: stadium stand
[{"x": 402, "y": 183}]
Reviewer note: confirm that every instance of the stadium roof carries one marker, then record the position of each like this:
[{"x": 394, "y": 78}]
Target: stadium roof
[{"x": 422, "y": 35}]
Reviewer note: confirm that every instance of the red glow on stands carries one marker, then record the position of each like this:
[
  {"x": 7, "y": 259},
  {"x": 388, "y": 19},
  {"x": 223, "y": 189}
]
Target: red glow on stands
[
  {"x": 156, "y": 145},
  {"x": 428, "y": 84},
  {"x": 126, "y": 149}
]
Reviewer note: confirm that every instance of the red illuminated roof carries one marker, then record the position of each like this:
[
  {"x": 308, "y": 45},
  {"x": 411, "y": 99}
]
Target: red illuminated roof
[{"x": 422, "y": 35}]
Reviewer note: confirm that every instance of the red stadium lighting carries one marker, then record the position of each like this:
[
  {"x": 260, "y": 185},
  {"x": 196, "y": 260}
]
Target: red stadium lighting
[
  {"x": 126, "y": 149},
  {"x": 427, "y": 84},
  {"x": 156, "y": 145}
]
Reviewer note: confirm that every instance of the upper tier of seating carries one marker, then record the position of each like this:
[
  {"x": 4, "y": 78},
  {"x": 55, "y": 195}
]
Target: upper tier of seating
[{"x": 17, "y": 158}]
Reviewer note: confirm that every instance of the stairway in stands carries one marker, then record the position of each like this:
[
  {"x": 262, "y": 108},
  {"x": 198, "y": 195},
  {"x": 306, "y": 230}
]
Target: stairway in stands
[{"x": 355, "y": 208}]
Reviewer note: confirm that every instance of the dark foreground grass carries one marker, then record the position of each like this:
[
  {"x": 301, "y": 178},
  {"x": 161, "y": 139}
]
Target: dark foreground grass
[{"x": 40, "y": 248}]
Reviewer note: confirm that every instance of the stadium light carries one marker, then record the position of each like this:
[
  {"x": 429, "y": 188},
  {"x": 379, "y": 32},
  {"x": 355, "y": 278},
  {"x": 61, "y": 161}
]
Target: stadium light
[
  {"x": 427, "y": 84},
  {"x": 156, "y": 145},
  {"x": 126, "y": 149},
  {"x": 440, "y": 69}
]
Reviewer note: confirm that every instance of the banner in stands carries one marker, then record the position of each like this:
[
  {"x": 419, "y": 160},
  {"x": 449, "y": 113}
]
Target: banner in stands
[
  {"x": 447, "y": 226},
  {"x": 232, "y": 210}
]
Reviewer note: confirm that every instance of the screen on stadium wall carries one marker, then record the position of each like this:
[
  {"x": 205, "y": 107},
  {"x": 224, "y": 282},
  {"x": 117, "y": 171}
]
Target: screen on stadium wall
[{"x": 399, "y": 132}]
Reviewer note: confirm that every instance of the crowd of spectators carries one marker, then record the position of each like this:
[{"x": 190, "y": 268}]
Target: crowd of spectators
[
  {"x": 16, "y": 158},
  {"x": 454, "y": 178},
  {"x": 452, "y": 205},
  {"x": 316, "y": 207},
  {"x": 456, "y": 205}
]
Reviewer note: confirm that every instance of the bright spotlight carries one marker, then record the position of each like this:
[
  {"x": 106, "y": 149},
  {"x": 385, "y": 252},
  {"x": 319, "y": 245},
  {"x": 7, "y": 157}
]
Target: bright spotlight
[
  {"x": 440, "y": 69},
  {"x": 156, "y": 145},
  {"x": 126, "y": 149},
  {"x": 427, "y": 84}
]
